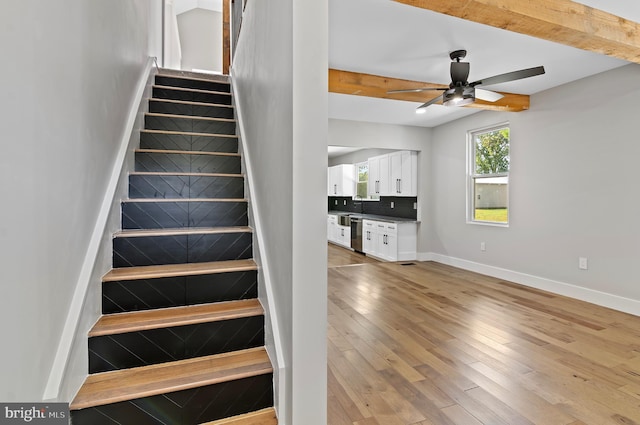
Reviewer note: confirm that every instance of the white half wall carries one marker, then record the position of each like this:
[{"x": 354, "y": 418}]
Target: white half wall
[
  {"x": 573, "y": 191},
  {"x": 70, "y": 68},
  {"x": 280, "y": 72}
]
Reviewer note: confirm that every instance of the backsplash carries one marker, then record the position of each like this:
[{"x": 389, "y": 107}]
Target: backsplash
[{"x": 402, "y": 208}]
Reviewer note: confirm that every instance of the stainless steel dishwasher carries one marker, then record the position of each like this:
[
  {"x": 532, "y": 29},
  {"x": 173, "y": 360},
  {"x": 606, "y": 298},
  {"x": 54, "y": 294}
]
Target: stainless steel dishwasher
[{"x": 356, "y": 233}]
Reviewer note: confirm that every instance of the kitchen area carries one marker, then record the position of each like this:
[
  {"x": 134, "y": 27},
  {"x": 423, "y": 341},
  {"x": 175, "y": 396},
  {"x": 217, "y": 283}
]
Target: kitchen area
[{"x": 372, "y": 203}]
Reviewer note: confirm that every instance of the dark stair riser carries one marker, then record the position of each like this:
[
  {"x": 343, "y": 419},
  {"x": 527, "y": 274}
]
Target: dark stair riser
[
  {"x": 147, "y": 294},
  {"x": 167, "y": 215},
  {"x": 153, "y": 346},
  {"x": 162, "y": 80},
  {"x": 187, "y": 163},
  {"x": 186, "y": 407},
  {"x": 156, "y": 250},
  {"x": 191, "y": 96},
  {"x": 191, "y": 125},
  {"x": 172, "y": 187},
  {"x": 173, "y": 108},
  {"x": 186, "y": 142}
]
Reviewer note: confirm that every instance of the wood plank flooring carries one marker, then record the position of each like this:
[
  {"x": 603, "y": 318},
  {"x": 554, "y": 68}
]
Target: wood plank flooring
[{"x": 429, "y": 344}]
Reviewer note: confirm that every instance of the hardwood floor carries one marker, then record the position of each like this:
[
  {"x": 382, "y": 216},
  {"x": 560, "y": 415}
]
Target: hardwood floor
[{"x": 429, "y": 344}]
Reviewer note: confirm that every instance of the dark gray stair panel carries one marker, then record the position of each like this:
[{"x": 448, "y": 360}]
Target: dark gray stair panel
[
  {"x": 162, "y": 80},
  {"x": 178, "y": 214},
  {"x": 187, "y": 142},
  {"x": 192, "y": 95},
  {"x": 180, "y": 249},
  {"x": 155, "y": 215},
  {"x": 147, "y": 347},
  {"x": 185, "y": 163},
  {"x": 192, "y": 125},
  {"x": 214, "y": 144},
  {"x": 187, "y": 407},
  {"x": 178, "y": 142},
  {"x": 146, "y": 294},
  {"x": 163, "y": 162},
  {"x": 185, "y": 186},
  {"x": 205, "y": 214},
  {"x": 198, "y": 110}
]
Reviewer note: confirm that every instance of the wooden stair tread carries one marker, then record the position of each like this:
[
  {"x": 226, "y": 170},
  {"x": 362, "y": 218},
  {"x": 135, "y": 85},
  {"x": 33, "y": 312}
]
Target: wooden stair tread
[
  {"x": 173, "y": 151},
  {"x": 185, "y": 200},
  {"x": 128, "y": 384},
  {"x": 135, "y": 233},
  {"x": 181, "y": 173},
  {"x": 188, "y": 133},
  {"x": 157, "y": 86},
  {"x": 188, "y": 117},
  {"x": 191, "y": 75},
  {"x": 175, "y": 270},
  {"x": 189, "y": 102},
  {"x": 133, "y": 321},
  {"x": 259, "y": 417}
]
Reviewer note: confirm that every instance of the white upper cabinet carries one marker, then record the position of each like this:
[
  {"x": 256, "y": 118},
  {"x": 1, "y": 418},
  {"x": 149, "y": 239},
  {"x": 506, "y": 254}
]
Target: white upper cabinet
[
  {"x": 341, "y": 179},
  {"x": 404, "y": 173},
  {"x": 394, "y": 174}
]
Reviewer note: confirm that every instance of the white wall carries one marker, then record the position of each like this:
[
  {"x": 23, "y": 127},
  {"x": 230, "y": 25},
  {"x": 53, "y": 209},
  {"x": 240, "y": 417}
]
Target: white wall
[
  {"x": 69, "y": 70},
  {"x": 396, "y": 137},
  {"x": 573, "y": 192},
  {"x": 280, "y": 69},
  {"x": 358, "y": 156},
  {"x": 201, "y": 40}
]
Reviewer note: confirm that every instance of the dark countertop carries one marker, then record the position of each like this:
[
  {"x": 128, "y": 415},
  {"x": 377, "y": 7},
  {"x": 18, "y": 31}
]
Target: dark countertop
[{"x": 375, "y": 217}]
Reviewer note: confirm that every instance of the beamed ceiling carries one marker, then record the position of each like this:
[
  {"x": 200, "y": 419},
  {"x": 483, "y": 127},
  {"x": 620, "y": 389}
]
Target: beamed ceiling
[{"x": 381, "y": 45}]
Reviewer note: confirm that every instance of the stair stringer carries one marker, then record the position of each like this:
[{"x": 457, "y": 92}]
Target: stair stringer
[
  {"x": 273, "y": 341},
  {"x": 70, "y": 365}
]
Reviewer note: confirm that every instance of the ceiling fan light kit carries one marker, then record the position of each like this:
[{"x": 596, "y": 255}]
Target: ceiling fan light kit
[{"x": 461, "y": 92}]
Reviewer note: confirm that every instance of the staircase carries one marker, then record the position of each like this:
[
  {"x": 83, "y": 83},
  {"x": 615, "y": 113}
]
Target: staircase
[{"x": 181, "y": 338}]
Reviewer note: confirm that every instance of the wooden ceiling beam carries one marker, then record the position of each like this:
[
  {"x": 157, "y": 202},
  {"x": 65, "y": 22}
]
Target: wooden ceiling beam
[
  {"x": 561, "y": 21},
  {"x": 358, "y": 84}
]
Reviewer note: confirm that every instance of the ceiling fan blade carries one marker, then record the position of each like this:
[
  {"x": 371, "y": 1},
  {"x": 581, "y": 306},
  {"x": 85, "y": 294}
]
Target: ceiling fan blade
[
  {"x": 414, "y": 90},
  {"x": 488, "y": 95},
  {"x": 431, "y": 102},
  {"x": 510, "y": 76},
  {"x": 459, "y": 72}
]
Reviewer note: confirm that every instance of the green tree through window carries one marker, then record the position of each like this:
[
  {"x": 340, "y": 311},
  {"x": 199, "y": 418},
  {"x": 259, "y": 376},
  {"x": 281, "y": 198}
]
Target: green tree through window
[{"x": 489, "y": 175}]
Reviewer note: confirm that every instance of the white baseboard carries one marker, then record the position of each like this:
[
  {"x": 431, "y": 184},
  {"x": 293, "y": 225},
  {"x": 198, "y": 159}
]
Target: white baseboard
[
  {"x": 65, "y": 345},
  {"x": 626, "y": 305}
]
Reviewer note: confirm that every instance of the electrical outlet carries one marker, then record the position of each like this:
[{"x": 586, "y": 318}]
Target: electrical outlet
[
  {"x": 583, "y": 264},
  {"x": 393, "y": 204},
  {"x": 483, "y": 247}
]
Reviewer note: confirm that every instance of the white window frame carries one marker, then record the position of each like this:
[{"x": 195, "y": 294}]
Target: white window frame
[
  {"x": 357, "y": 174},
  {"x": 472, "y": 176}
]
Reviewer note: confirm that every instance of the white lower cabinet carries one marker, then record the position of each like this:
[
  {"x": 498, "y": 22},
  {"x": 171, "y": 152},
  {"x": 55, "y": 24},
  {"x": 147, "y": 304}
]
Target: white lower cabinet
[
  {"x": 389, "y": 241},
  {"x": 337, "y": 234}
]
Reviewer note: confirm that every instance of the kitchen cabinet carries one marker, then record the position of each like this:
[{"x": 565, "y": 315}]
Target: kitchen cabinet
[
  {"x": 341, "y": 180},
  {"x": 403, "y": 170},
  {"x": 336, "y": 233},
  {"x": 389, "y": 241},
  {"x": 332, "y": 227},
  {"x": 378, "y": 175},
  {"x": 394, "y": 174}
]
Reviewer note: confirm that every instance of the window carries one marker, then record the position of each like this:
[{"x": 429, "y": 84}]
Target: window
[
  {"x": 488, "y": 183},
  {"x": 362, "y": 181}
]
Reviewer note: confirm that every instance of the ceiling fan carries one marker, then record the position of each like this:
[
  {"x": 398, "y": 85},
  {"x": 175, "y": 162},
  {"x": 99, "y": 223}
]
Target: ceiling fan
[{"x": 461, "y": 92}]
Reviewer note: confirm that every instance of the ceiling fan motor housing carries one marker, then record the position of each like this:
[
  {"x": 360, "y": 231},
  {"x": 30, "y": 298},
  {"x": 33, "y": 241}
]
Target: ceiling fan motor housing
[{"x": 459, "y": 96}]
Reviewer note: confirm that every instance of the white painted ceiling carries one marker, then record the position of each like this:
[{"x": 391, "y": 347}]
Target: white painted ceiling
[
  {"x": 386, "y": 38},
  {"x": 181, "y": 6}
]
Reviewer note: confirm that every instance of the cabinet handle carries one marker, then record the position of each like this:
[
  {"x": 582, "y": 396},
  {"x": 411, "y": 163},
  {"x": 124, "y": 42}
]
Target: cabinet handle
[
  {"x": 335, "y": 189},
  {"x": 399, "y": 185}
]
